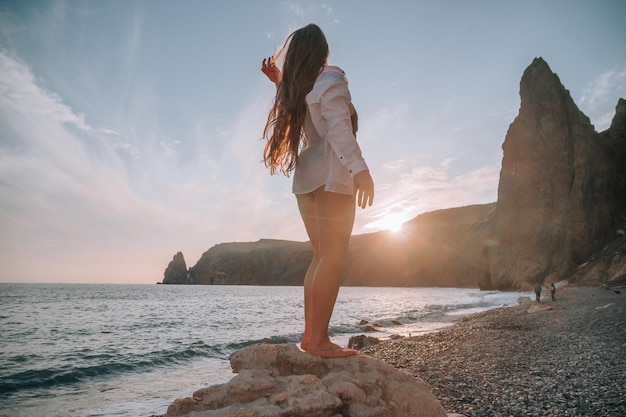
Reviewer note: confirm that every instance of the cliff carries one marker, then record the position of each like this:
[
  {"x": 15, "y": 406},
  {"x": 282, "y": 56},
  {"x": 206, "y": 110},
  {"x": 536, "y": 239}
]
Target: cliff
[
  {"x": 560, "y": 213},
  {"x": 440, "y": 248},
  {"x": 266, "y": 262},
  {"x": 557, "y": 195}
]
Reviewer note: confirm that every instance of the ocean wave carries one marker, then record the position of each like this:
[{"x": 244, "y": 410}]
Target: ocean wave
[
  {"x": 62, "y": 375},
  {"x": 273, "y": 340}
]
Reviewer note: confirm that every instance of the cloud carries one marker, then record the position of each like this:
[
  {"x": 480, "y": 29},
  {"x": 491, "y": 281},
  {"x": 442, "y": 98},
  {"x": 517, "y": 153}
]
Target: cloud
[
  {"x": 309, "y": 13},
  {"x": 19, "y": 90},
  {"x": 603, "y": 88},
  {"x": 600, "y": 97},
  {"x": 413, "y": 186},
  {"x": 428, "y": 169},
  {"x": 70, "y": 195},
  {"x": 63, "y": 188},
  {"x": 295, "y": 9},
  {"x": 328, "y": 11},
  {"x": 109, "y": 131}
]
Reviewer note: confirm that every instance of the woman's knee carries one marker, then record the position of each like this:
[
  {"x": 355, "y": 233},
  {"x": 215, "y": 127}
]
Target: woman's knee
[{"x": 333, "y": 261}]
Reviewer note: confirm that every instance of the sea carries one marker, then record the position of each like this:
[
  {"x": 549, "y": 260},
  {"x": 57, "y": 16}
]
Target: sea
[{"x": 86, "y": 350}]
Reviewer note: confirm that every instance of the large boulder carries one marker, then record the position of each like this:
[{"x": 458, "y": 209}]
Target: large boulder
[
  {"x": 282, "y": 381},
  {"x": 556, "y": 195}
]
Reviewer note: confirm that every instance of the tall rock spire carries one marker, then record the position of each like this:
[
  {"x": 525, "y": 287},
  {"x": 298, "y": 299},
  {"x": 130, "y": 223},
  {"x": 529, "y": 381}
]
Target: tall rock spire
[{"x": 554, "y": 199}]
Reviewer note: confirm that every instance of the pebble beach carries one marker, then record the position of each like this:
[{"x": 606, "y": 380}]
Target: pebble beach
[{"x": 563, "y": 358}]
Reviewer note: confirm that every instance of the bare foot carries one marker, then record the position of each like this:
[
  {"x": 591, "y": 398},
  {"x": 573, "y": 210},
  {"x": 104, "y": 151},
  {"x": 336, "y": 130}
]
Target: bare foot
[
  {"x": 305, "y": 342},
  {"x": 333, "y": 351}
]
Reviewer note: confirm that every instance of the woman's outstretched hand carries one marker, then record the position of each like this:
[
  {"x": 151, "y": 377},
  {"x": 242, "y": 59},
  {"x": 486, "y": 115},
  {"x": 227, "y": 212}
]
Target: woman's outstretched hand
[
  {"x": 270, "y": 69},
  {"x": 364, "y": 188}
]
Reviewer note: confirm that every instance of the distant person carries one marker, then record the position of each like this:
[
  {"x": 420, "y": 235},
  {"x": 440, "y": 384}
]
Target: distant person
[
  {"x": 553, "y": 292},
  {"x": 311, "y": 130},
  {"x": 538, "y": 292}
]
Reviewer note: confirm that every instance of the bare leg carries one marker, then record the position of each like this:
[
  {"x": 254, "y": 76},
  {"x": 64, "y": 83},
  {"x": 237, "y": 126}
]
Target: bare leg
[
  {"x": 333, "y": 216},
  {"x": 306, "y": 204},
  {"x": 308, "y": 280}
]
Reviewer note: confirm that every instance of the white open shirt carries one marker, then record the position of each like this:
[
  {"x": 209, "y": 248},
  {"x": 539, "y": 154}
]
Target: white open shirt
[{"x": 331, "y": 155}]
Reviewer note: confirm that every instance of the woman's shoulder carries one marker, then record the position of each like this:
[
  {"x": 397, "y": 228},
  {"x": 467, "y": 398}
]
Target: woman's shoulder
[
  {"x": 332, "y": 72},
  {"x": 329, "y": 77}
]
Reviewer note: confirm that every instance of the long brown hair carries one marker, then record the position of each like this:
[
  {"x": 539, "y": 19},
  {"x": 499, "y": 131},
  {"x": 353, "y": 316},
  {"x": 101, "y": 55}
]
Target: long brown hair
[{"x": 305, "y": 58}]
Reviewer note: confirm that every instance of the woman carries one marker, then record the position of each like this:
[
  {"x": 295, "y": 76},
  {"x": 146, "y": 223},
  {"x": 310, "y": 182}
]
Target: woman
[{"x": 311, "y": 130}]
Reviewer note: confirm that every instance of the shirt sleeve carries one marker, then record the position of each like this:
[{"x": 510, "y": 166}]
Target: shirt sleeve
[{"x": 335, "y": 112}]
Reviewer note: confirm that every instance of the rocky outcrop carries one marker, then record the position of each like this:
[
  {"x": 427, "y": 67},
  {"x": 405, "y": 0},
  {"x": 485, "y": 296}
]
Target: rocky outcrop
[
  {"x": 282, "y": 381},
  {"x": 362, "y": 341},
  {"x": 556, "y": 195},
  {"x": 176, "y": 271},
  {"x": 614, "y": 140},
  {"x": 607, "y": 267}
]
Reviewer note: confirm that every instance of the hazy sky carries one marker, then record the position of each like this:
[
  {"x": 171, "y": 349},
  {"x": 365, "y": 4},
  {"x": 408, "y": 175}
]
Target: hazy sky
[{"x": 130, "y": 130}]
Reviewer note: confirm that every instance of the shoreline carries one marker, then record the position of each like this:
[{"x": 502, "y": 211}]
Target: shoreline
[{"x": 561, "y": 358}]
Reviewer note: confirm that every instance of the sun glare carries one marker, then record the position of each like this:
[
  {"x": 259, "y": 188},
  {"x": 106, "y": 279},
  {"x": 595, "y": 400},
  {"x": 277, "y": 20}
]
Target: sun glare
[{"x": 392, "y": 222}]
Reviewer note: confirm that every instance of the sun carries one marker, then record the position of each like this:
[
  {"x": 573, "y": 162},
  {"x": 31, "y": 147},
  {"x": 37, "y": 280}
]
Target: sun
[{"x": 391, "y": 222}]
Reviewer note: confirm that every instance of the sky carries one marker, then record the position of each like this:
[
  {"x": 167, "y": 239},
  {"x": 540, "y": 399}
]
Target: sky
[{"x": 131, "y": 130}]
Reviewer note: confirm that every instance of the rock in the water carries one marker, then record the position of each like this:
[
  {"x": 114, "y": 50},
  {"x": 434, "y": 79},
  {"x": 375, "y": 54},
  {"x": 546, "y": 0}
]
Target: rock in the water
[
  {"x": 361, "y": 341},
  {"x": 282, "y": 381},
  {"x": 176, "y": 271}
]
